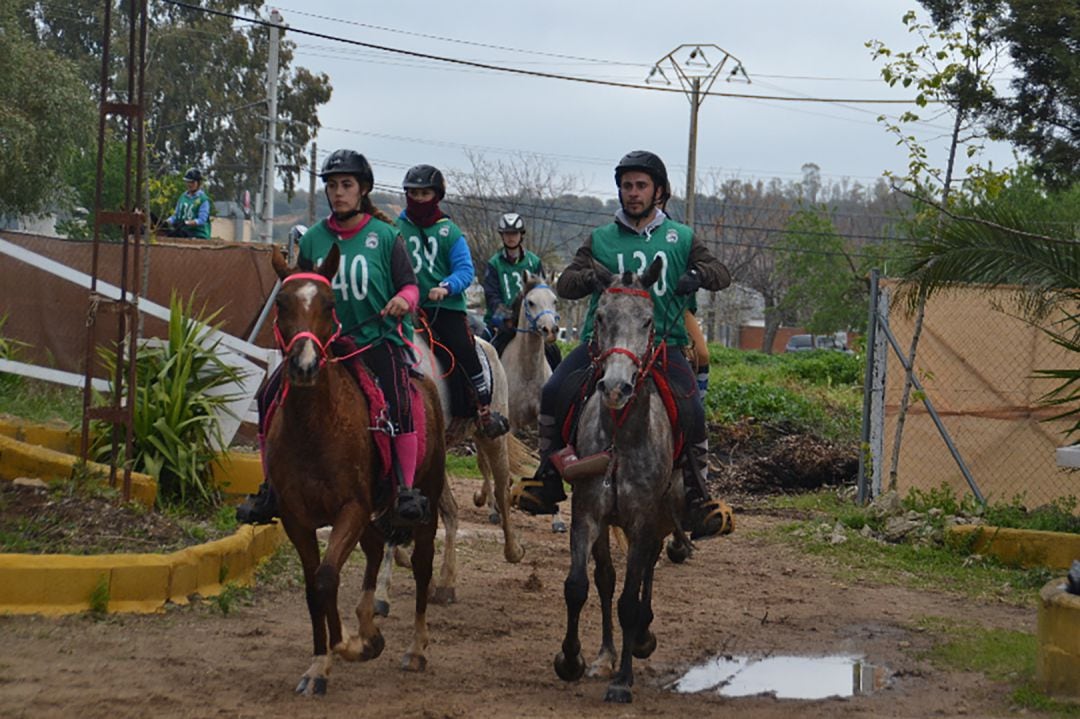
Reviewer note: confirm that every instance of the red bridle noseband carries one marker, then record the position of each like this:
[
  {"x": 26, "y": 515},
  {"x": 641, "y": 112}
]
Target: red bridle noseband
[{"x": 323, "y": 346}]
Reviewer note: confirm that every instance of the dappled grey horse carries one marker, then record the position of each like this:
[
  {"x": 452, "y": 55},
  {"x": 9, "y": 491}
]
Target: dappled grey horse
[{"x": 639, "y": 491}]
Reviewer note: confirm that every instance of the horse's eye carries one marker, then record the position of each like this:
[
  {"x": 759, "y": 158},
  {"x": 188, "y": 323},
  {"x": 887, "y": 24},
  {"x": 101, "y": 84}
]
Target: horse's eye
[
  {"x": 647, "y": 322},
  {"x": 531, "y": 304}
]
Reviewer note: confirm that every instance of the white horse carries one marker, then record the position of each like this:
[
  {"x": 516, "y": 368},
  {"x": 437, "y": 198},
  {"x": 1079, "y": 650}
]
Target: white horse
[
  {"x": 526, "y": 365},
  {"x": 527, "y": 369},
  {"x": 497, "y": 458}
]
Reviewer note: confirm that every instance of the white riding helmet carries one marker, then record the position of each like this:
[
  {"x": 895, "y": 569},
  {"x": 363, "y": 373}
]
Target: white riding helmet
[{"x": 511, "y": 222}]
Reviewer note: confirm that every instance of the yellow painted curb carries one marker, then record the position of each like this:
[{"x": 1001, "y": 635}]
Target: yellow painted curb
[
  {"x": 1020, "y": 547},
  {"x": 238, "y": 473},
  {"x": 1057, "y": 664},
  {"x": 138, "y": 583},
  {"x": 54, "y": 435},
  {"x": 21, "y": 459}
]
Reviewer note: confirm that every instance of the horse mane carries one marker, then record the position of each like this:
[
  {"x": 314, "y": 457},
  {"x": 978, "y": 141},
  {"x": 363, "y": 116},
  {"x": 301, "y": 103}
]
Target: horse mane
[
  {"x": 532, "y": 283},
  {"x": 628, "y": 278}
]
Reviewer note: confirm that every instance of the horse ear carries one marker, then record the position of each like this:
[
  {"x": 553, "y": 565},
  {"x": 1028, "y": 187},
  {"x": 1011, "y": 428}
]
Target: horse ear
[
  {"x": 652, "y": 273},
  {"x": 329, "y": 266},
  {"x": 529, "y": 277},
  {"x": 281, "y": 265}
]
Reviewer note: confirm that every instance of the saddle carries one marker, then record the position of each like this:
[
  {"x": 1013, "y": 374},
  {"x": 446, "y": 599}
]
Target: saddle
[
  {"x": 580, "y": 385},
  {"x": 271, "y": 395},
  {"x": 462, "y": 395}
]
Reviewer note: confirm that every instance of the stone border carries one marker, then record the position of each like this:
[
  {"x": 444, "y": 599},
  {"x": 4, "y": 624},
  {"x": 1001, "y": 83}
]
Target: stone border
[
  {"x": 1057, "y": 664},
  {"x": 139, "y": 583},
  {"x": 1020, "y": 547},
  {"x": 59, "y": 584}
]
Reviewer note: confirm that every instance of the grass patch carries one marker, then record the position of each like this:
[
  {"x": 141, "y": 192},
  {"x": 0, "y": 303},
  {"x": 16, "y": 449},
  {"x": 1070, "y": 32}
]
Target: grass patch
[
  {"x": 39, "y": 401},
  {"x": 818, "y": 393},
  {"x": 922, "y": 567},
  {"x": 231, "y": 595},
  {"x": 462, "y": 465},
  {"x": 99, "y": 597}
]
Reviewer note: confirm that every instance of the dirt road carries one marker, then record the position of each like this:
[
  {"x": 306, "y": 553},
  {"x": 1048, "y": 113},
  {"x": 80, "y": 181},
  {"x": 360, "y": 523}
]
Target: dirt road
[{"x": 491, "y": 653}]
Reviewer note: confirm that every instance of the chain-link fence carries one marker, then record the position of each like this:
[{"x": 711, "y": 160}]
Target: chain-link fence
[{"x": 977, "y": 365}]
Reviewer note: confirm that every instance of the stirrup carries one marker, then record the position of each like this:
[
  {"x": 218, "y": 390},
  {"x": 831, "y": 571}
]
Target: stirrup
[
  {"x": 490, "y": 423},
  {"x": 710, "y": 518},
  {"x": 259, "y": 508},
  {"x": 531, "y": 502},
  {"x": 411, "y": 507}
]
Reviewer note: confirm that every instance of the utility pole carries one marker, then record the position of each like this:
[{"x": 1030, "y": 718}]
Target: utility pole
[
  {"x": 311, "y": 186},
  {"x": 267, "y": 235},
  {"x": 696, "y": 75}
]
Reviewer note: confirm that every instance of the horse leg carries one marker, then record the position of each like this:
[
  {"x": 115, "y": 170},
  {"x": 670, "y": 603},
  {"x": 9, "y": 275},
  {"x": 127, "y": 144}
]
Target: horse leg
[
  {"x": 368, "y": 643},
  {"x": 498, "y": 457},
  {"x": 604, "y": 578},
  {"x": 645, "y": 644},
  {"x": 382, "y": 584},
  {"x": 486, "y": 496},
  {"x": 584, "y": 530},
  {"x": 423, "y": 556},
  {"x": 643, "y": 549},
  {"x": 445, "y": 590},
  {"x": 307, "y": 546},
  {"x": 558, "y": 526}
]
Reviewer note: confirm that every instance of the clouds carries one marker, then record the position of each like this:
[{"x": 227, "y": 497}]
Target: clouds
[{"x": 401, "y": 111}]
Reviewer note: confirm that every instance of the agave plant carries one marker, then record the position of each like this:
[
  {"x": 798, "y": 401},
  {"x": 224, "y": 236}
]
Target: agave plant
[
  {"x": 997, "y": 247},
  {"x": 178, "y": 400}
]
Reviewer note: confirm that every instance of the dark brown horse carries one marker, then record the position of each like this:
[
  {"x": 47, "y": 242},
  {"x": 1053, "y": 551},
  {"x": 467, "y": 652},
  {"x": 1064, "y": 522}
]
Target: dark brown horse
[{"x": 322, "y": 462}]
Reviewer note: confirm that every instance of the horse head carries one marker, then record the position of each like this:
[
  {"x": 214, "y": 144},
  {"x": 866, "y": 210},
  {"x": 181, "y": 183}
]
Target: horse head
[
  {"x": 306, "y": 323},
  {"x": 536, "y": 308},
  {"x": 623, "y": 335}
]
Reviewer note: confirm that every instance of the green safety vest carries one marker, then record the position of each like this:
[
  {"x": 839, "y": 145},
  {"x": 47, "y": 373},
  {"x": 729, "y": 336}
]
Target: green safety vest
[
  {"x": 187, "y": 208},
  {"x": 429, "y": 251},
  {"x": 512, "y": 276},
  {"x": 622, "y": 250},
  {"x": 364, "y": 280}
]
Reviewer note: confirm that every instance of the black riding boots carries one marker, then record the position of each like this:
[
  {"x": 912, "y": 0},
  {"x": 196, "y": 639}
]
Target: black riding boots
[
  {"x": 703, "y": 516},
  {"x": 541, "y": 493},
  {"x": 260, "y": 508}
]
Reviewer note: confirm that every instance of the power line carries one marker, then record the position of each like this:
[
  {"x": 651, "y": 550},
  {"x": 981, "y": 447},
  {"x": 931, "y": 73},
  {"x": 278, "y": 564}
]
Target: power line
[{"x": 534, "y": 73}]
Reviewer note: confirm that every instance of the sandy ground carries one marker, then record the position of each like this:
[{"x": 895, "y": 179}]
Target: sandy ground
[{"x": 491, "y": 653}]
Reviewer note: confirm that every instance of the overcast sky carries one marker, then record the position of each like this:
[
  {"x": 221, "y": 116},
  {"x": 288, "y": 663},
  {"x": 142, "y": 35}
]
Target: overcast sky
[{"x": 401, "y": 111}]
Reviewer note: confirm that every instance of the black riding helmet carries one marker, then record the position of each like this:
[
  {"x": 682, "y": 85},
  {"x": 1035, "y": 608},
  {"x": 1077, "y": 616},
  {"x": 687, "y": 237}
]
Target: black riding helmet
[
  {"x": 348, "y": 162},
  {"x": 193, "y": 175},
  {"x": 425, "y": 176},
  {"x": 649, "y": 163}
]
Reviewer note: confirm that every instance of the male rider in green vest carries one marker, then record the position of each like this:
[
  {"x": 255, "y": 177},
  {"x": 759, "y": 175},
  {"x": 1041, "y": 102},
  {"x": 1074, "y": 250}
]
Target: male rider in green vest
[{"x": 640, "y": 233}]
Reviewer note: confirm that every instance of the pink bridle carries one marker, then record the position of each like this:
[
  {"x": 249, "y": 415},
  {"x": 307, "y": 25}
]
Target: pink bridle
[{"x": 323, "y": 346}]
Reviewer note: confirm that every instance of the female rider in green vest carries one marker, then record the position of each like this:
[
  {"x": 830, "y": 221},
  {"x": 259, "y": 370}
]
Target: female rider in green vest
[
  {"x": 443, "y": 265},
  {"x": 375, "y": 277},
  {"x": 640, "y": 233}
]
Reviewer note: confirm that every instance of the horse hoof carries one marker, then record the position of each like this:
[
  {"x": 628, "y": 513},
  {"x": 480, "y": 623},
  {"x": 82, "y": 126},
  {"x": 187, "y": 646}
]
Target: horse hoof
[
  {"x": 602, "y": 668},
  {"x": 312, "y": 687},
  {"x": 569, "y": 670},
  {"x": 678, "y": 553},
  {"x": 414, "y": 662},
  {"x": 479, "y": 498},
  {"x": 373, "y": 648},
  {"x": 444, "y": 595},
  {"x": 382, "y": 608},
  {"x": 618, "y": 694},
  {"x": 558, "y": 526},
  {"x": 645, "y": 647},
  {"x": 513, "y": 553},
  {"x": 494, "y": 517}
]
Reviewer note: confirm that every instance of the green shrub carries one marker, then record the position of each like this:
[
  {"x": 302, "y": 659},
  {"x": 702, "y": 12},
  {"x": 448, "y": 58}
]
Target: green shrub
[
  {"x": 177, "y": 400},
  {"x": 825, "y": 367}
]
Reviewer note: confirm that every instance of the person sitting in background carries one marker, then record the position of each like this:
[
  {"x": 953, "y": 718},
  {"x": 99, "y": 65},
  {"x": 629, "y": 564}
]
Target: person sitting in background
[{"x": 191, "y": 218}]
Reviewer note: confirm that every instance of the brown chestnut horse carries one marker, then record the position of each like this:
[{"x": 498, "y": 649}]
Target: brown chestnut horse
[{"x": 322, "y": 462}]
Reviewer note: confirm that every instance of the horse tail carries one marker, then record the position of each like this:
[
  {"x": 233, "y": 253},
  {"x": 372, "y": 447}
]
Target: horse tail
[{"x": 522, "y": 460}]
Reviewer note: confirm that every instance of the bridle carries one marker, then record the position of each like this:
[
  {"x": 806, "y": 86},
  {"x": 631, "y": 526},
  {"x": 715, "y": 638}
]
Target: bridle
[
  {"x": 644, "y": 363},
  {"x": 531, "y": 318},
  {"x": 324, "y": 347}
]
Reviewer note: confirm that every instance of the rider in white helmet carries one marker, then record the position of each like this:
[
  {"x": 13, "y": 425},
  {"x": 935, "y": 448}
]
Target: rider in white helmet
[{"x": 504, "y": 279}]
